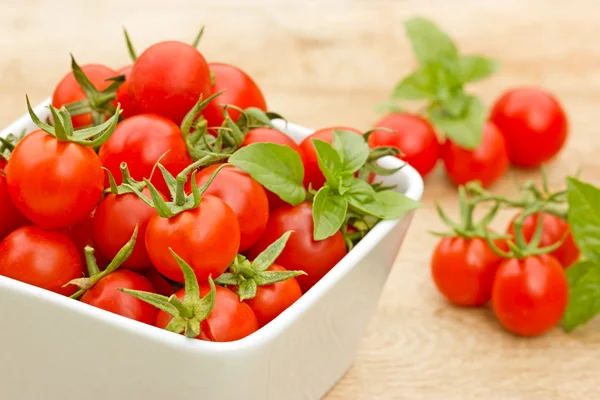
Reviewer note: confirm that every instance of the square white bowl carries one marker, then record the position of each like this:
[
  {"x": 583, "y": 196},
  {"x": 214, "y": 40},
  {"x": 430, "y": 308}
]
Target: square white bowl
[{"x": 55, "y": 348}]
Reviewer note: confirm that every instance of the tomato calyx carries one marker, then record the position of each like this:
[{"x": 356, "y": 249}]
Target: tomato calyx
[
  {"x": 128, "y": 183},
  {"x": 63, "y": 128},
  {"x": 187, "y": 314},
  {"x": 133, "y": 53},
  {"x": 94, "y": 272},
  {"x": 7, "y": 144},
  {"x": 248, "y": 276}
]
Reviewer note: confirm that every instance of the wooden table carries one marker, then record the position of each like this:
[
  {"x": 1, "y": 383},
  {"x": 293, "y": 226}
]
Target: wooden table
[{"x": 324, "y": 63}]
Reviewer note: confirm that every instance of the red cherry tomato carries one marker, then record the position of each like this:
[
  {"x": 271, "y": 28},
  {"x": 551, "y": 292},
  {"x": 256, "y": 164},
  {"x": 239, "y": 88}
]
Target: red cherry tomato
[
  {"x": 46, "y": 259},
  {"x": 533, "y": 123},
  {"x": 412, "y": 135},
  {"x": 272, "y": 300},
  {"x": 312, "y": 173},
  {"x": 81, "y": 235},
  {"x": 530, "y": 295},
  {"x": 554, "y": 229},
  {"x": 229, "y": 320},
  {"x": 240, "y": 91},
  {"x": 141, "y": 141},
  {"x": 123, "y": 93},
  {"x": 167, "y": 79},
  {"x": 206, "y": 237},
  {"x": 244, "y": 195},
  {"x": 161, "y": 285},
  {"x": 54, "y": 184},
  {"x": 269, "y": 135},
  {"x": 463, "y": 270},
  {"x": 3, "y": 163},
  {"x": 104, "y": 295},
  {"x": 302, "y": 252},
  {"x": 68, "y": 90},
  {"x": 10, "y": 217},
  {"x": 487, "y": 163},
  {"x": 114, "y": 222}
]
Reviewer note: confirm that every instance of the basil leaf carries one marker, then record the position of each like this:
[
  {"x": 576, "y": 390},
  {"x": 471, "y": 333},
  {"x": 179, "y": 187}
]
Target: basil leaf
[
  {"x": 584, "y": 216},
  {"x": 428, "y": 41},
  {"x": 476, "y": 68},
  {"x": 276, "y": 167},
  {"x": 465, "y": 130},
  {"x": 362, "y": 196},
  {"x": 577, "y": 271},
  {"x": 352, "y": 149},
  {"x": 329, "y": 161},
  {"x": 395, "y": 204},
  {"x": 584, "y": 296},
  {"x": 329, "y": 213},
  {"x": 417, "y": 86}
]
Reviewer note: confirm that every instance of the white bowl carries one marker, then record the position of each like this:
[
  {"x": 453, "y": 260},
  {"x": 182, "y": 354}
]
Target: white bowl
[{"x": 53, "y": 347}]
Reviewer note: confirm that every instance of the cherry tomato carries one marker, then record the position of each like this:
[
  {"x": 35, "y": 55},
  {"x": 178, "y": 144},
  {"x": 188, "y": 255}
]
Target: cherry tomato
[
  {"x": 240, "y": 91},
  {"x": 46, "y": 259},
  {"x": 229, "y": 320},
  {"x": 244, "y": 195},
  {"x": 68, "y": 90},
  {"x": 206, "y": 237},
  {"x": 123, "y": 93},
  {"x": 272, "y": 300},
  {"x": 3, "y": 163},
  {"x": 141, "y": 141},
  {"x": 463, "y": 270},
  {"x": 533, "y": 123},
  {"x": 412, "y": 135},
  {"x": 312, "y": 173},
  {"x": 302, "y": 252},
  {"x": 161, "y": 285},
  {"x": 269, "y": 135},
  {"x": 81, "y": 235},
  {"x": 167, "y": 79},
  {"x": 114, "y": 222},
  {"x": 530, "y": 296},
  {"x": 10, "y": 217},
  {"x": 486, "y": 163},
  {"x": 54, "y": 184},
  {"x": 104, "y": 295},
  {"x": 554, "y": 229}
]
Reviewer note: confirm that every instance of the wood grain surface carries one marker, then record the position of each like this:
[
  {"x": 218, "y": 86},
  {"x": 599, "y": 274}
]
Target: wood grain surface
[{"x": 331, "y": 62}]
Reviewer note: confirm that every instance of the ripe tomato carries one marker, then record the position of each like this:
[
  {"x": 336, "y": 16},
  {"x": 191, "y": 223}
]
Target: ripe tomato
[
  {"x": 533, "y": 123},
  {"x": 312, "y": 173},
  {"x": 104, "y": 295},
  {"x": 167, "y": 79},
  {"x": 46, "y": 259},
  {"x": 244, "y": 195},
  {"x": 3, "y": 163},
  {"x": 302, "y": 252},
  {"x": 269, "y": 135},
  {"x": 553, "y": 230},
  {"x": 54, "y": 184},
  {"x": 68, "y": 90},
  {"x": 10, "y": 217},
  {"x": 229, "y": 320},
  {"x": 463, "y": 270},
  {"x": 530, "y": 296},
  {"x": 240, "y": 91},
  {"x": 272, "y": 300},
  {"x": 161, "y": 285},
  {"x": 81, "y": 235},
  {"x": 206, "y": 237},
  {"x": 123, "y": 93},
  {"x": 413, "y": 135},
  {"x": 114, "y": 222},
  {"x": 140, "y": 141},
  {"x": 486, "y": 163}
]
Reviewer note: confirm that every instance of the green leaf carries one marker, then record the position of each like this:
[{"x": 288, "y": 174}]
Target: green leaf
[
  {"x": 329, "y": 213},
  {"x": 352, "y": 149},
  {"x": 584, "y": 216},
  {"x": 584, "y": 295},
  {"x": 247, "y": 289},
  {"x": 277, "y": 167},
  {"x": 329, "y": 161},
  {"x": 465, "y": 130},
  {"x": 265, "y": 259},
  {"x": 428, "y": 41},
  {"x": 475, "y": 68},
  {"x": 395, "y": 205},
  {"x": 417, "y": 86},
  {"x": 362, "y": 196},
  {"x": 577, "y": 271}
]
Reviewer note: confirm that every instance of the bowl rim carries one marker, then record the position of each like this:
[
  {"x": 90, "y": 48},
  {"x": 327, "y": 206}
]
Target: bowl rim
[{"x": 414, "y": 190}]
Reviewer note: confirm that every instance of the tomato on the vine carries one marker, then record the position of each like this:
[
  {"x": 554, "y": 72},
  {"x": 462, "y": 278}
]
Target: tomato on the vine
[
  {"x": 530, "y": 295},
  {"x": 533, "y": 123},
  {"x": 46, "y": 259},
  {"x": 487, "y": 163},
  {"x": 413, "y": 136},
  {"x": 10, "y": 217}
]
